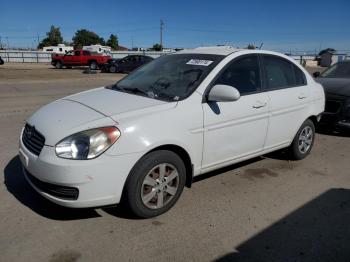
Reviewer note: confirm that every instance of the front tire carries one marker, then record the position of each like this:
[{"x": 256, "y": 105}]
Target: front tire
[
  {"x": 155, "y": 184},
  {"x": 113, "y": 69},
  {"x": 303, "y": 141}
]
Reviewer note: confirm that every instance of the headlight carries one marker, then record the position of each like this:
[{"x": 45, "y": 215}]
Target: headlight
[{"x": 87, "y": 144}]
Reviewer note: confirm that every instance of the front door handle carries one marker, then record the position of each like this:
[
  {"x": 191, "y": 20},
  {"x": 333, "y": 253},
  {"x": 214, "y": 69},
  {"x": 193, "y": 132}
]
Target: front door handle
[{"x": 259, "y": 105}]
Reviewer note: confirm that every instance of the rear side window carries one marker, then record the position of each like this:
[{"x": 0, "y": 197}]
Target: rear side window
[
  {"x": 77, "y": 53},
  {"x": 243, "y": 73},
  {"x": 86, "y": 53},
  {"x": 280, "y": 73},
  {"x": 300, "y": 78}
]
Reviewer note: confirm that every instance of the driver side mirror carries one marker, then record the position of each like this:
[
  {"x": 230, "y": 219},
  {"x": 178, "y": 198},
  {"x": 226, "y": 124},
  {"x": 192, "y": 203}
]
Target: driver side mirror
[
  {"x": 316, "y": 74},
  {"x": 223, "y": 93}
]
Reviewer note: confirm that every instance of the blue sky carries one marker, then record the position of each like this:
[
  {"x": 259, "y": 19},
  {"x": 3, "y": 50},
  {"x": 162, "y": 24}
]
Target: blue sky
[{"x": 281, "y": 25}]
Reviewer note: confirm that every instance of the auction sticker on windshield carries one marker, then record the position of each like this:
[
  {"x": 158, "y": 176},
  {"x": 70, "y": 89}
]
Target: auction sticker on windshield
[{"x": 199, "y": 62}]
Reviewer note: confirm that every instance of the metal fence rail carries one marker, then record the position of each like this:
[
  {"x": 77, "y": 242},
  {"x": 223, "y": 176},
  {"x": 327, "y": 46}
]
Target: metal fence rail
[{"x": 20, "y": 56}]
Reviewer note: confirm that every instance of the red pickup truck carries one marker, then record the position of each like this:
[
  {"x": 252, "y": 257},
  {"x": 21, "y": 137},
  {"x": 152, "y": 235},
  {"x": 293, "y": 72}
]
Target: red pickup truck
[{"x": 79, "y": 58}]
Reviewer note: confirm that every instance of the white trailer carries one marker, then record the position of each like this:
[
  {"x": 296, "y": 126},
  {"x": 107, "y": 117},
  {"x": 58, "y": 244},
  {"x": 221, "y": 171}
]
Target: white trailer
[
  {"x": 98, "y": 49},
  {"x": 59, "y": 49}
]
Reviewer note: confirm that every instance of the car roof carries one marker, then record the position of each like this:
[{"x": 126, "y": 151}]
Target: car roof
[
  {"x": 228, "y": 50},
  {"x": 212, "y": 50}
]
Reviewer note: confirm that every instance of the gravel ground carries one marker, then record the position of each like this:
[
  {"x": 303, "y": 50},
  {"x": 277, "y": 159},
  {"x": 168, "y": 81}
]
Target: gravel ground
[{"x": 266, "y": 209}]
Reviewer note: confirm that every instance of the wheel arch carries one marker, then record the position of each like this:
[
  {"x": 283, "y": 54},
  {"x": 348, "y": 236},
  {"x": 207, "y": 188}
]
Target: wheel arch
[
  {"x": 311, "y": 117},
  {"x": 314, "y": 119},
  {"x": 185, "y": 157}
]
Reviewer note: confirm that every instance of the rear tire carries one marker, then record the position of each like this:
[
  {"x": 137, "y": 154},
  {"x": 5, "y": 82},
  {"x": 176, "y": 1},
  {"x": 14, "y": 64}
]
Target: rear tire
[
  {"x": 303, "y": 141},
  {"x": 93, "y": 65},
  {"x": 154, "y": 184},
  {"x": 58, "y": 65}
]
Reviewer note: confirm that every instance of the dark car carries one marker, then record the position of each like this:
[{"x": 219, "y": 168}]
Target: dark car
[
  {"x": 336, "y": 83},
  {"x": 1, "y": 61},
  {"x": 126, "y": 64}
]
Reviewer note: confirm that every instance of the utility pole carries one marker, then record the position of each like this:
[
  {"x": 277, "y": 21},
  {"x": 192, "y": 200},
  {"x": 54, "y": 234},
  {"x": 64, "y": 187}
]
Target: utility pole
[
  {"x": 8, "y": 42},
  {"x": 161, "y": 33},
  {"x": 38, "y": 41}
]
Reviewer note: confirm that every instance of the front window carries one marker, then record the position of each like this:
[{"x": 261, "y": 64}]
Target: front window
[
  {"x": 243, "y": 74},
  {"x": 338, "y": 70},
  {"x": 170, "y": 77}
]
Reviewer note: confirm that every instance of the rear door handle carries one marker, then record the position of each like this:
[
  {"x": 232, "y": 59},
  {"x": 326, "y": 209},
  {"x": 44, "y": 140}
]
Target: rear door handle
[
  {"x": 302, "y": 96},
  {"x": 259, "y": 105}
]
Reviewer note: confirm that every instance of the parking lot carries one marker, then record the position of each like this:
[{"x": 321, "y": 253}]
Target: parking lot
[{"x": 266, "y": 209}]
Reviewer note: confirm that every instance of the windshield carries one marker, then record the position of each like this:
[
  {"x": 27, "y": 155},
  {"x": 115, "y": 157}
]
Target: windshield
[
  {"x": 338, "y": 70},
  {"x": 170, "y": 77}
]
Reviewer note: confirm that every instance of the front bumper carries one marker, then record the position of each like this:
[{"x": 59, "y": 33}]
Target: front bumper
[
  {"x": 344, "y": 124},
  {"x": 105, "y": 68},
  {"x": 98, "y": 181},
  {"x": 337, "y": 112},
  {"x": 335, "y": 120}
]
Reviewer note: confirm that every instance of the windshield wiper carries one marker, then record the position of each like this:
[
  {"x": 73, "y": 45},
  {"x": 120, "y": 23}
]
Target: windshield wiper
[
  {"x": 115, "y": 87},
  {"x": 130, "y": 89},
  {"x": 149, "y": 94},
  {"x": 135, "y": 90},
  {"x": 167, "y": 97}
]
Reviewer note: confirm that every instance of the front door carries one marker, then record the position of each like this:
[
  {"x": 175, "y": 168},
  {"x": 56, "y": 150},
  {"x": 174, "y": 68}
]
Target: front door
[
  {"x": 68, "y": 58},
  {"x": 76, "y": 58},
  {"x": 235, "y": 130}
]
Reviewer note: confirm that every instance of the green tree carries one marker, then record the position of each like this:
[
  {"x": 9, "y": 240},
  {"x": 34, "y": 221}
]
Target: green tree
[
  {"x": 157, "y": 47},
  {"x": 85, "y": 37},
  {"x": 112, "y": 41},
  {"x": 251, "y": 46},
  {"x": 53, "y": 38}
]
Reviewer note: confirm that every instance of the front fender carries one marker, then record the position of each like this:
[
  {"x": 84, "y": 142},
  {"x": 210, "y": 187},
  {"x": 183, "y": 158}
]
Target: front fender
[{"x": 178, "y": 126}]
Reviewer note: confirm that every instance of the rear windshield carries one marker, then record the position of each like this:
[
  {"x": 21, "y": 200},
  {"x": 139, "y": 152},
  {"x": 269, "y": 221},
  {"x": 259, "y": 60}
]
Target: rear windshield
[{"x": 169, "y": 77}]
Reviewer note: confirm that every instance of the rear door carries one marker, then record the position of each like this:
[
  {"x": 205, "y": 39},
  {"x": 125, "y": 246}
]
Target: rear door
[
  {"x": 289, "y": 98},
  {"x": 234, "y": 130}
]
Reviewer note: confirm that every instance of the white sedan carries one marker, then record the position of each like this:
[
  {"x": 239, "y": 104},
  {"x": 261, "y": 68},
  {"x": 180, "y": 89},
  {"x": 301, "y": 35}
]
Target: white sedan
[{"x": 141, "y": 140}]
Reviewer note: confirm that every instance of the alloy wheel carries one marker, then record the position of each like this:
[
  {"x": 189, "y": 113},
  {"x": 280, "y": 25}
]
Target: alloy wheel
[
  {"x": 160, "y": 186},
  {"x": 305, "y": 139}
]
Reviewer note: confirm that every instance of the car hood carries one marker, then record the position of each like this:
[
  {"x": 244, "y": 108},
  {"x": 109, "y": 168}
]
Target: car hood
[
  {"x": 62, "y": 118},
  {"x": 115, "y": 60},
  {"x": 111, "y": 102},
  {"x": 335, "y": 86},
  {"x": 90, "y": 109}
]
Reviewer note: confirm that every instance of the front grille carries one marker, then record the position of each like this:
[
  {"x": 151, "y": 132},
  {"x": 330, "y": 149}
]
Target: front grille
[
  {"x": 32, "y": 139},
  {"x": 63, "y": 192},
  {"x": 333, "y": 106}
]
